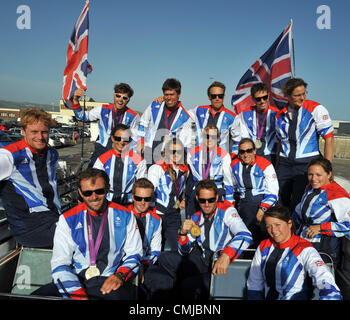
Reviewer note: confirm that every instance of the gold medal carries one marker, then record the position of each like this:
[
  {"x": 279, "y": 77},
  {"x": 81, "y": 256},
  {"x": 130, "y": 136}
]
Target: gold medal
[
  {"x": 91, "y": 272},
  {"x": 258, "y": 144},
  {"x": 196, "y": 231}
]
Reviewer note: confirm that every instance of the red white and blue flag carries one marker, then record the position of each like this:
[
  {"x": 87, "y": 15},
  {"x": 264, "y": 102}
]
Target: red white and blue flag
[
  {"x": 77, "y": 68},
  {"x": 273, "y": 68}
]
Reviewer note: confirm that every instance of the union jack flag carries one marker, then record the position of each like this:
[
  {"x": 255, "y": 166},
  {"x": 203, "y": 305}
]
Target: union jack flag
[
  {"x": 273, "y": 68},
  {"x": 77, "y": 68}
]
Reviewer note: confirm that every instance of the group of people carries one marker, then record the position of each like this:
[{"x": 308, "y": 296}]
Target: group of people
[{"x": 175, "y": 196}]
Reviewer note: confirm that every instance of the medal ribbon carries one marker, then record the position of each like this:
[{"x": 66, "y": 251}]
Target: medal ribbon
[
  {"x": 93, "y": 248},
  {"x": 206, "y": 170},
  {"x": 259, "y": 131}
]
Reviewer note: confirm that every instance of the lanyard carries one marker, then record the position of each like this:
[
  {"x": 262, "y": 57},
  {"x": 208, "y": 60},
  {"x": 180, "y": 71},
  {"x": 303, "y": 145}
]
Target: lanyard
[
  {"x": 93, "y": 248},
  {"x": 259, "y": 131},
  {"x": 166, "y": 118}
]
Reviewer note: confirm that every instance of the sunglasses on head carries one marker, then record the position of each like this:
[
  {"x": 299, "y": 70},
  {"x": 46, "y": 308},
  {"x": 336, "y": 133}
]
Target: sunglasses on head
[
  {"x": 203, "y": 200},
  {"x": 147, "y": 199},
  {"x": 241, "y": 151},
  {"x": 214, "y": 96},
  {"x": 116, "y": 138},
  {"x": 123, "y": 97},
  {"x": 258, "y": 99},
  {"x": 88, "y": 193}
]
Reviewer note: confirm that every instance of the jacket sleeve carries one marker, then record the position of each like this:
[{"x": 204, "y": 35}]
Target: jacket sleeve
[
  {"x": 64, "y": 276},
  {"x": 132, "y": 250},
  {"x": 6, "y": 164},
  {"x": 322, "y": 278},
  {"x": 256, "y": 281},
  {"x": 340, "y": 228},
  {"x": 144, "y": 125},
  {"x": 242, "y": 236},
  {"x": 271, "y": 187},
  {"x": 91, "y": 115},
  {"x": 228, "y": 177}
]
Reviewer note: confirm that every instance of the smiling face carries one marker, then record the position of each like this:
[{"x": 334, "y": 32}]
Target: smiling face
[
  {"x": 95, "y": 202},
  {"x": 261, "y": 99},
  {"x": 279, "y": 230},
  {"x": 140, "y": 199},
  {"x": 36, "y": 135},
  {"x": 206, "y": 201},
  {"x": 171, "y": 98},
  {"x": 247, "y": 152},
  {"x": 121, "y": 100},
  {"x": 210, "y": 138},
  {"x": 318, "y": 177},
  {"x": 120, "y": 139}
]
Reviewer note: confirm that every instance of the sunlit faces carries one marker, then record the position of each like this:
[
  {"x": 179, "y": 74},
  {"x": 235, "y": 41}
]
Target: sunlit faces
[
  {"x": 247, "y": 152},
  {"x": 211, "y": 138},
  {"x": 121, "y": 100},
  {"x": 95, "y": 202},
  {"x": 318, "y": 177},
  {"x": 205, "y": 201},
  {"x": 216, "y": 97},
  {"x": 142, "y": 199},
  {"x": 261, "y": 99},
  {"x": 171, "y": 98},
  {"x": 297, "y": 97},
  {"x": 36, "y": 135},
  {"x": 279, "y": 230},
  {"x": 120, "y": 139}
]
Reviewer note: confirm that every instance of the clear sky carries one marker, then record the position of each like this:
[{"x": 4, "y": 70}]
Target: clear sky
[{"x": 196, "y": 41}]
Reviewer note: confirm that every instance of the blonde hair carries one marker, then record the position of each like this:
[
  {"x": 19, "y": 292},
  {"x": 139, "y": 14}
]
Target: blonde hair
[{"x": 32, "y": 115}]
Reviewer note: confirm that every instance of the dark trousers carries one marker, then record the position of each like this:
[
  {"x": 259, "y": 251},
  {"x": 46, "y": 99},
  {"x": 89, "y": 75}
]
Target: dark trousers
[
  {"x": 292, "y": 179},
  {"x": 181, "y": 277},
  {"x": 171, "y": 223},
  {"x": 91, "y": 286},
  {"x": 247, "y": 209},
  {"x": 39, "y": 232}
]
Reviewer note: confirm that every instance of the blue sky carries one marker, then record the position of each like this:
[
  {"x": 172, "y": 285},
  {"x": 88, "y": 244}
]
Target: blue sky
[{"x": 196, "y": 41}]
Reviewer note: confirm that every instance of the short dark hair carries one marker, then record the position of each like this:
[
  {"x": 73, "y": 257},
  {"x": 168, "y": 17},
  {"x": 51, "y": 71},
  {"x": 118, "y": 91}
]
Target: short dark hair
[
  {"x": 172, "y": 84},
  {"x": 124, "y": 88},
  {"x": 143, "y": 183},
  {"x": 257, "y": 87},
  {"x": 246, "y": 140},
  {"x": 206, "y": 184},
  {"x": 291, "y": 84},
  {"x": 119, "y": 126},
  {"x": 93, "y": 173},
  {"x": 216, "y": 84}
]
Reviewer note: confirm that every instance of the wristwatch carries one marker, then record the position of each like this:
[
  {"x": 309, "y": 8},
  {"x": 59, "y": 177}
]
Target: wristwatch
[{"x": 263, "y": 209}]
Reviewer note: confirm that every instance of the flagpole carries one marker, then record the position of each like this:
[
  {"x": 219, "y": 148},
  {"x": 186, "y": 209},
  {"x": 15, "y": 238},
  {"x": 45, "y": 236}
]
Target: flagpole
[{"x": 294, "y": 73}]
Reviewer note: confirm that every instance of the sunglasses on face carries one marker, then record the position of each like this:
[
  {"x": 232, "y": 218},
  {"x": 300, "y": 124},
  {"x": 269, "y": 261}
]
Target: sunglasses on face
[
  {"x": 203, "y": 200},
  {"x": 88, "y": 193},
  {"x": 213, "y": 137},
  {"x": 241, "y": 151},
  {"x": 214, "y": 96},
  {"x": 147, "y": 199},
  {"x": 173, "y": 152},
  {"x": 123, "y": 97},
  {"x": 258, "y": 99},
  {"x": 116, "y": 138}
]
